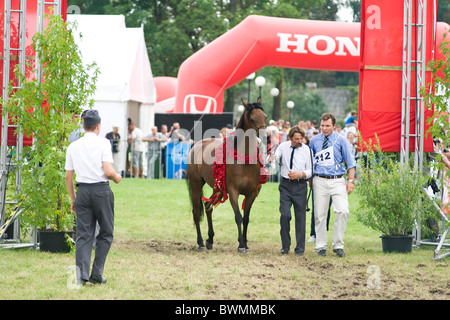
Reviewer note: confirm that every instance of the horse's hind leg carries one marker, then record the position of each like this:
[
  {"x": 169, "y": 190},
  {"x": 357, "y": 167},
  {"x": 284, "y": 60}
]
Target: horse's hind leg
[
  {"x": 197, "y": 212},
  {"x": 210, "y": 240}
]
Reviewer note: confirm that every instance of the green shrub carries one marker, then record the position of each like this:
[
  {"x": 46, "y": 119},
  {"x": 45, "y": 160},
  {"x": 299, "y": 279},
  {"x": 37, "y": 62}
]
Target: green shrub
[{"x": 392, "y": 198}]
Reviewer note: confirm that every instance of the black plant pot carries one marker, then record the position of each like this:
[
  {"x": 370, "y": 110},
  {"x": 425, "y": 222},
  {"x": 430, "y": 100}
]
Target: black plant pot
[
  {"x": 54, "y": 241},
  {"x": 400, "y": 244}
]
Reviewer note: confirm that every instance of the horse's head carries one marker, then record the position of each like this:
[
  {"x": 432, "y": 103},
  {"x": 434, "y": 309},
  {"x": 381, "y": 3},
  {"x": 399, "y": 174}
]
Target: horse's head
[{"x": 254, "y": 117}]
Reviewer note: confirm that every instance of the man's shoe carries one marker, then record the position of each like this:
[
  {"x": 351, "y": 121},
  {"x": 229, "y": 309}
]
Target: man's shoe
[
  {"x": 339, "y": 252},
  {"x": 284, "y": 251},
  {"x": 97, "y": 279},
  {"x": 81, "y": 282},
  {"x": 312, "y": 239},
  {"x": 322, "y": 252}
]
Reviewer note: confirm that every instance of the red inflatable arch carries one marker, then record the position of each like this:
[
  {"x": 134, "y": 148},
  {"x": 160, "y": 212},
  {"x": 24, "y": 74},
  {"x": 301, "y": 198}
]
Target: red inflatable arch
[
  {"x": 165, "y": 93},
  {"x": 258, "y": 42},
  {"x": 165, "y": 87}
]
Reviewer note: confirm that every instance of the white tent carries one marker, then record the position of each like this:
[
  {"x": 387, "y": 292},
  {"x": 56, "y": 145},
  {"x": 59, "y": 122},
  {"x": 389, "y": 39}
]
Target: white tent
[{"x": 125, "y": 87}]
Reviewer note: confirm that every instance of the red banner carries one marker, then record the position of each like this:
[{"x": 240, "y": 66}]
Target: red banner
[{"x": 380, "y": 77}]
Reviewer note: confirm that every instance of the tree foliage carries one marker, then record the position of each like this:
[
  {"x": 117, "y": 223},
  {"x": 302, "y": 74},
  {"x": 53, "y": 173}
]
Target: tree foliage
[{"x": 437, "y": 96}]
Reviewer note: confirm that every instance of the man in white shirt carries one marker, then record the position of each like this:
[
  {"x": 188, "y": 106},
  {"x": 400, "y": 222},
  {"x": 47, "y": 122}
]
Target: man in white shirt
[
  {"x": 90, "y": 159},
  {"x": 137, "y": 150},
  {"x": 296, "y": 169}
]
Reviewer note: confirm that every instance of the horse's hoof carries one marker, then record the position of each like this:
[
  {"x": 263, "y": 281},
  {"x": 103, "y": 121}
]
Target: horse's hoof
[
  {"x": 243, "y": 250},
  {"x": 209, "y": 246},
  {"x": 201, "y": 248}
]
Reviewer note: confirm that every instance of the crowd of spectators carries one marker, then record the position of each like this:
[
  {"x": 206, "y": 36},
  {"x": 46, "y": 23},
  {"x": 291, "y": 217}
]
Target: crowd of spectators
[{"x": 276, "y": 130}]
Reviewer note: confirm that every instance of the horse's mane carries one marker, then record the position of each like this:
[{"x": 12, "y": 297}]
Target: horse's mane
[{"x": 248, "y": 112}]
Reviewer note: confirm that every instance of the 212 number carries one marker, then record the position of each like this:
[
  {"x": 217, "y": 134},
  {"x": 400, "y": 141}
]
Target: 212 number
[{"x": 323, "y": 156}]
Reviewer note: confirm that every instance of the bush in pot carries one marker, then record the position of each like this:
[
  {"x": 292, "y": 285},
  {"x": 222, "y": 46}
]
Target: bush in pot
[
  {"x": 43, "y": 108},
  {"x": 392, "y": 198}
]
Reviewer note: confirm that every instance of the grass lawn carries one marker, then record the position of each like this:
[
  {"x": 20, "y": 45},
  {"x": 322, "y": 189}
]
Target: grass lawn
[{"x": 154, "y": 256}]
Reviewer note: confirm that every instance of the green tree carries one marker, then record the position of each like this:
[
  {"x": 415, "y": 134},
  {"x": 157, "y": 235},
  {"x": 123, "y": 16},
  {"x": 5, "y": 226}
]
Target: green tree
[
  {"x": 308, "y": 105},
  {"x": 438, "y": 99}
]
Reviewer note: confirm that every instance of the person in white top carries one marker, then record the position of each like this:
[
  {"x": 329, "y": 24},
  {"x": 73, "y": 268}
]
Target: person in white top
[
  {"x": 296, "y": 168},
  {"x": 137, "y": 150},
  {"x": 90, "y": 159}
]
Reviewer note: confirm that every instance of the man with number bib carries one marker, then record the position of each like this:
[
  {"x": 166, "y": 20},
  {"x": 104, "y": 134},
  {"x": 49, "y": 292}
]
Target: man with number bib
[{"x": 331, "y": 150}]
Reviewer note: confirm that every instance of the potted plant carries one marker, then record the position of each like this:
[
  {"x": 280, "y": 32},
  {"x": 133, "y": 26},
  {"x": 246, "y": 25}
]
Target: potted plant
[
  {"x": 392, "y": 199},
  {"x": 44, "y": 108}
]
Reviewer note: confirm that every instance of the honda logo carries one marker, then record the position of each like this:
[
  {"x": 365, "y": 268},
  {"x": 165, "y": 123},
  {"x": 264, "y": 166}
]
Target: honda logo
[
  {"x": 196, "y": 103},
  {"x": 318, "y": 45}
]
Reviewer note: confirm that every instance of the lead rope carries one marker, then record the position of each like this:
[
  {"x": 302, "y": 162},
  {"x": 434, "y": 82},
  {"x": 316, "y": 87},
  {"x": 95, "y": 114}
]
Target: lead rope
[{"x": 310, "y": 184}]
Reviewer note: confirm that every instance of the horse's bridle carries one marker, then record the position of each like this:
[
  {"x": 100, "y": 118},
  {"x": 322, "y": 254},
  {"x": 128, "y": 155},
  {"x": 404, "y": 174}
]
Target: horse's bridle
[
  {"x": 250, "y": 110},
  {"x": 261, "y": 127}
]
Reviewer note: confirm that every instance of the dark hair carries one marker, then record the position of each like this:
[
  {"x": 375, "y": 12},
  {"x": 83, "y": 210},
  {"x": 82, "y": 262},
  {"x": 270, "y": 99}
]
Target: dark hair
[
  {"x": 328, "y": 116},
  {"x": 296, "y": 129},
  {"x": 89, "y": 127},
  {"x": 307, "y": 140}
]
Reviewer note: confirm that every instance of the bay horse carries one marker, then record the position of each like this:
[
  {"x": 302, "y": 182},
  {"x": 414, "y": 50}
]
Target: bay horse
[{"x": 240, "y": 177}]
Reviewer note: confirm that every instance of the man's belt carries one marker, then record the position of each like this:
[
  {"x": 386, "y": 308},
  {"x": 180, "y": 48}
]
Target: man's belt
[
  {"x": 330, "y": 177},
  {"x": 294, "y": 180},
  {"x": 79, "y": 184}
]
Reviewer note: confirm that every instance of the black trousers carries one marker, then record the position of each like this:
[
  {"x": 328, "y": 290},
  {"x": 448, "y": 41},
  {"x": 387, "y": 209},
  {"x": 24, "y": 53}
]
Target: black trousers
[
  {"x": 293, "y": 193},
  {"x": 94, "y": 203}
]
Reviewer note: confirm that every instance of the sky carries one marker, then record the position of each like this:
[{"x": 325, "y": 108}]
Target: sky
[{"x": 345, "y": 14}]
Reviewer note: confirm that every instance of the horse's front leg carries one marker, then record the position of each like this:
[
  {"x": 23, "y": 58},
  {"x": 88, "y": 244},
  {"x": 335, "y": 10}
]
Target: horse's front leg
[
  {"x": 210, "y": 240},
  {"x": 247, "y": 206},
  {"x": 233, "y": 196},
  {"x": 197, "y": 212}
]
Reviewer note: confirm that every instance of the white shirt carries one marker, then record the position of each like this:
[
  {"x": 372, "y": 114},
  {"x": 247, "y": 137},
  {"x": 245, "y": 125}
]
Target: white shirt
[
  {"x": 137, "y": 144},
  {"x": 86, "y": 156},
  {"x": 302, "y": 159}
]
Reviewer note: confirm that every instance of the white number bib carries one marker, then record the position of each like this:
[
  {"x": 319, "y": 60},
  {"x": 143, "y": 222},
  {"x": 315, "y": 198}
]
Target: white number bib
[{"x": 325, "y": 157}]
